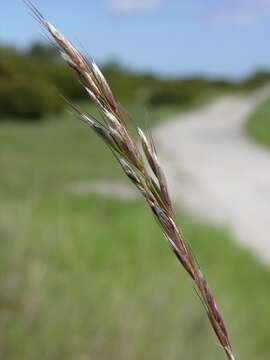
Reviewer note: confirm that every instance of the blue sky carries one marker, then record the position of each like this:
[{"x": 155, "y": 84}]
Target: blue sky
[{"x": 175, "y": 37}]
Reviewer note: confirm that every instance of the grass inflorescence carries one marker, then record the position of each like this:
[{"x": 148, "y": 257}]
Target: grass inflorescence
[{"x": 140, "y": 165}]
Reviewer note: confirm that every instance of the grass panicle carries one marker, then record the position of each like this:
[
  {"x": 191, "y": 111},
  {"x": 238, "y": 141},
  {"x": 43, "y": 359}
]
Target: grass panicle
[{"x": 150, "y": 180}]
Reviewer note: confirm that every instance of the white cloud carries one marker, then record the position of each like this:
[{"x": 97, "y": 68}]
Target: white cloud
[
  {"x": 135, "y": 6},
  {"x": 242, "y": 11}
]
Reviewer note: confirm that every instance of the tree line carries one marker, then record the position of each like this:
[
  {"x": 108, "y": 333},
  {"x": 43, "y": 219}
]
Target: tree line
[{"x": 30, "y": 82}]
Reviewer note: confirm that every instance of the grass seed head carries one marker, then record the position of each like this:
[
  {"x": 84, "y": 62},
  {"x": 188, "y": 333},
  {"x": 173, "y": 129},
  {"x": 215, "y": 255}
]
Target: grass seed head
[{"x": 155, "y": 189}]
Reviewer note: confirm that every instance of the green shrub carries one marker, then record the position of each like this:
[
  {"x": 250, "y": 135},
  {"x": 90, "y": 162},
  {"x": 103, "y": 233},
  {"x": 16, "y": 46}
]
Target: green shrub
[
  {"x": 66, "y": 82},
  {"x": 28, "y": 81},
  {"x": 25, "y": 88},
  {"x": 30, "y": 99},
  {"x": 172, "y": 93},
  {"x": 258, "y": 79},
  {"x": 164, "y": 96},
  {"x": 258, "y": 124}
]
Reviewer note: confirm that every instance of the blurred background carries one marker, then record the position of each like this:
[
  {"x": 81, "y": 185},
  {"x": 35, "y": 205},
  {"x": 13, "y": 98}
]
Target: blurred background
[{"x": 84, "y": 270}]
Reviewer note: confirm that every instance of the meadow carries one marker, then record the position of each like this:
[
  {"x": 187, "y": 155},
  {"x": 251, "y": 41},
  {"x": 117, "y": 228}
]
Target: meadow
[
  {"x": 89, "y": 277},
  {"x": 258, "y": 125}
]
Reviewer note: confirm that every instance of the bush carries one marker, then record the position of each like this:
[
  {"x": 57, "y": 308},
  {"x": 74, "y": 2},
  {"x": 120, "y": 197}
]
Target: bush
[
  {"x": 164, "y": 96},
  {"x": 28, "y": 99},
  {"x": 25, "y": 88},
  {"x": 172, "y": 93},
  {"x": 66, "y": 82},
  {"x": 27, "y": 80},
  {"x": 258, "y": 79}
]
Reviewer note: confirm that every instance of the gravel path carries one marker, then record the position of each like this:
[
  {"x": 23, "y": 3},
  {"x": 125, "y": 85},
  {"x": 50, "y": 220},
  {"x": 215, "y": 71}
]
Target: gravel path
[{"x": 216, "y": 172}]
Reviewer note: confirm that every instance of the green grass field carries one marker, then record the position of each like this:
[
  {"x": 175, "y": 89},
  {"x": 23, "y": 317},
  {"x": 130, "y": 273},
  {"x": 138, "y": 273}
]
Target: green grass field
[
  {"x": 86, "y": 277},
  {"x": 258, "y": 125}
]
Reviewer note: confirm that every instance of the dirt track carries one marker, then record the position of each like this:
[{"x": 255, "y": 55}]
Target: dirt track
[{"x": 216, "y": 172}]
